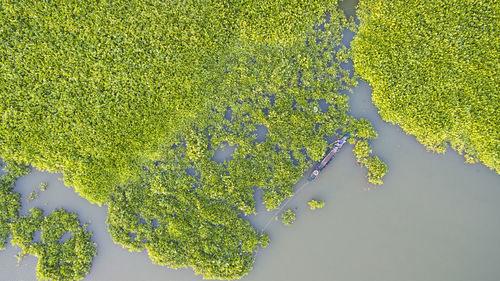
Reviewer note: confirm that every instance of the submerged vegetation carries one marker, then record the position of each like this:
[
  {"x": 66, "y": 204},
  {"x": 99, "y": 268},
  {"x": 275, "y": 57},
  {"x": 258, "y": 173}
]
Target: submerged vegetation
[
  {"x": 57, "y": 260},
  {"x": 43, "y": 186},
  {"x": 33, "y": 195},
  {"x": 433, "y": 66},
  {"x": 132, "y": 101}
]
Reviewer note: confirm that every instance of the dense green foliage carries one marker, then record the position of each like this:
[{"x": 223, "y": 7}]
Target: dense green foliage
[
  {"x": 376, "y": 167},
  {"x": 181, "y": 225},
  {"x": 434, "y": 69},
  {"x": 94, "y": 89},
  {"x": 132, "y": 100},
  {"x": 9, "y": 201},
  {"x": 288, "y": 217},
  {"x": 57, "y": 260},
  {"x": 189, "y": 218},
  {"x": 314, "y": 204},
  {"x": 9, "y": 206}
]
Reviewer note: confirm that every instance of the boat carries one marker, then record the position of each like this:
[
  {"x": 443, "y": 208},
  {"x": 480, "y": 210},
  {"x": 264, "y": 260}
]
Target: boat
[{"x": 336, "y": 146}]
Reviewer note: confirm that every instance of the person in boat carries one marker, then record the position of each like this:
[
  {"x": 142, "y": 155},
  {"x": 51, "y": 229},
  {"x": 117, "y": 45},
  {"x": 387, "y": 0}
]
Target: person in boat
[{"x": 336, "y": 146}]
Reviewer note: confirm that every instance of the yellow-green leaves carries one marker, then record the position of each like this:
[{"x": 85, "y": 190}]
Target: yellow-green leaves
[
  {"x": 362, "y": 128},
  {"x": 9, "y": 201},
  {"x": 376, "y": 167},
  {"x": 288, "y": 217},
  {"x": 279, "y": 21},
  {"x": 94, "y": 90},
  {"x": 314, "y": 204},
  {"x": 362, "y": 149},
  {"x": 129, "y": 101},
  {"x": 57, "y": 259},
  {"x": 434, "y": 72},
  {"x": 187, "y": 225}
]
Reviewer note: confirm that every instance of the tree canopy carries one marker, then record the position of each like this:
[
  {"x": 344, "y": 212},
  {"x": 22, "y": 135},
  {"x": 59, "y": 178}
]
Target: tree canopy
[{"x": 433, "y": 66}]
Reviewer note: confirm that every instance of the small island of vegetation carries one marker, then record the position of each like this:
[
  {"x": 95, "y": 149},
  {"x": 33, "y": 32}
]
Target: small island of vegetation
[
  {"x": 288, "y": 217},
  {"x": 58, "y": 259},
  {"x": 314, "y": 204}
]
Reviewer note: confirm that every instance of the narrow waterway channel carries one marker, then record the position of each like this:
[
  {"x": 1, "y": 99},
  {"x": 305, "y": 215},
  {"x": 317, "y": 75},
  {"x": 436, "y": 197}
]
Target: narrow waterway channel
[{"x": 435, "y": 218}]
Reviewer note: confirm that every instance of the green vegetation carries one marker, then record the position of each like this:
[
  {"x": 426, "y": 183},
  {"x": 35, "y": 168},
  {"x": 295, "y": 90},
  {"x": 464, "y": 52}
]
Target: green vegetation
[
  {"x": 33, "y": 195},
  {"x": 313, "y": 204},
  {"x": 183, "y": 227},
  {"x": 43, "y": 186},
  {"x": 132, "y": 100},
  {"x": 57, "y": 260},
  {"x": 433, "y": 66},
  {"x": 288, "y": 217},
  {"x": 94, "y": 90},
  {"x": 9, "y": 201},
  {"x": 376, "y": 167}
]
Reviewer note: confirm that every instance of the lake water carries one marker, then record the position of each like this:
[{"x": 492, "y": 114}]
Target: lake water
[{"x": 435, "y": 218}]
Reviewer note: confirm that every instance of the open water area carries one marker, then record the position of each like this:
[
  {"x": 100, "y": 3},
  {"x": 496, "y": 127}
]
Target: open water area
[{"x": 434, "y": 218}]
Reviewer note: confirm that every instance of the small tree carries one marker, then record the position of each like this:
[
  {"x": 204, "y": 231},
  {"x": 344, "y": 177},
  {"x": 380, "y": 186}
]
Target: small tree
[
  {"x": 288, "y": 217},
  {"x": 313, "y": 204}
]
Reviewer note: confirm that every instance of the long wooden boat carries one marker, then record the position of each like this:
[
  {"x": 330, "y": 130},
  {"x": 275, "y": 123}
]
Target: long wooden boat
[{"x": 337, "y": 145}]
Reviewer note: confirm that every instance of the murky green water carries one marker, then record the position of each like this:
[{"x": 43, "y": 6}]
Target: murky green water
[{"x": 435, "y": 218}]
